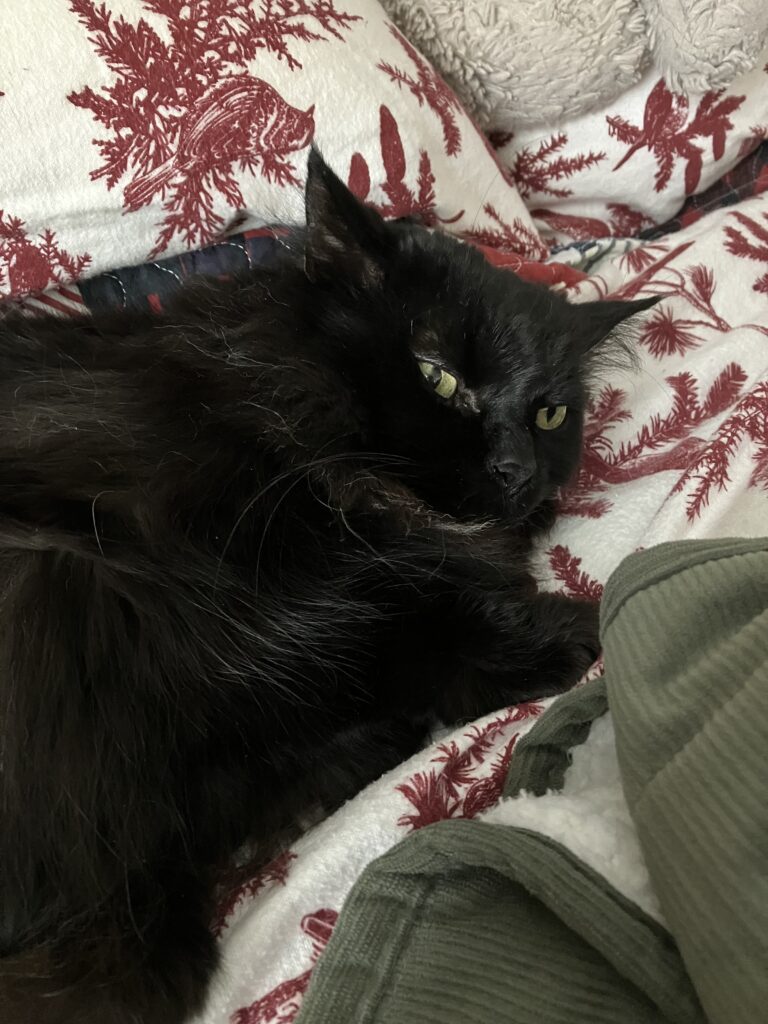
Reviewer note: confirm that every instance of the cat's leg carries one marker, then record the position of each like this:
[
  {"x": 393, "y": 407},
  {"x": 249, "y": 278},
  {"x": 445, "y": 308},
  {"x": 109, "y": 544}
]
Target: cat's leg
[
  {"x": 517, "y": 652},
  {"x": 472, "y": 633}
]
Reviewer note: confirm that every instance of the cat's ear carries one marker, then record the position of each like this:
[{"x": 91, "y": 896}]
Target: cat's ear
[
  {"x": 598, "y": 319},
  {"x": 346, "y": 242}
]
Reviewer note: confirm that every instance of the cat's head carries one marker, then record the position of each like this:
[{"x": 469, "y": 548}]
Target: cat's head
[{"x": 473, "y": 377}]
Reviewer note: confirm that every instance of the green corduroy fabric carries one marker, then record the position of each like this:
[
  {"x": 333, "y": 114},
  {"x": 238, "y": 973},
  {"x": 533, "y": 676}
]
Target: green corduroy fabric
[{"x": 685, "y": 631}]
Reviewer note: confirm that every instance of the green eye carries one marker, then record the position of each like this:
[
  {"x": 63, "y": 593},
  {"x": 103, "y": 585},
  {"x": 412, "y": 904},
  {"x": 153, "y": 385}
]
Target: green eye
[
  {"x": 551, "y": 417},
  {"x": 442, "y": 383}
]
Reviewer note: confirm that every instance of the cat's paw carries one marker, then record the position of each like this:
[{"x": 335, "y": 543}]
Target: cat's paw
[{"x": 586, "y": 628}]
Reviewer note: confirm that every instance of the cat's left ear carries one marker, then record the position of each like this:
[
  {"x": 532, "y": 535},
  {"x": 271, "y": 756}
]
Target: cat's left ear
[
  {"x": 346, "y": 242},
  {"x": 598, "y": 319}
]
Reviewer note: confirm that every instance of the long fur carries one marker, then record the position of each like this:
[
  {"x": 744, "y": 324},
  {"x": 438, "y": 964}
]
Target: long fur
[{"x": 247, "y": 558}]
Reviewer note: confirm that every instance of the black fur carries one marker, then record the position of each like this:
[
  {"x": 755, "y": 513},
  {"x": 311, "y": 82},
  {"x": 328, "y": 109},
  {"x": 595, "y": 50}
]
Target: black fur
[{"x": 247, "y": 557}]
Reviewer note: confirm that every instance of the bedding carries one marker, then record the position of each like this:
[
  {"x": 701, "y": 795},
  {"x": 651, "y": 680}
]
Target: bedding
[
  {"x": 164, "y": 130},
  {"x": 631, "y": 165},
  {"x": 676, "y": 449}
]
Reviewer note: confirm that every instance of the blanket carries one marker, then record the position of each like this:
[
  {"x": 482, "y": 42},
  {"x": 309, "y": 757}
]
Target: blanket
[
  {"x": 535, "y": 62},
  {"x": 545, "y": 909}
]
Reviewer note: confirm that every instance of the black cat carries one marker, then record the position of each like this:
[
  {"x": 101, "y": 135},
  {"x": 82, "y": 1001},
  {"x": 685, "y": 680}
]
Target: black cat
[{"x": 251, "y": 550}]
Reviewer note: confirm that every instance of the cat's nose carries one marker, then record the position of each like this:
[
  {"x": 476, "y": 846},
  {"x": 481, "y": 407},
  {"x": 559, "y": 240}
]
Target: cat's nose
[{"x": 512, "y": 475}]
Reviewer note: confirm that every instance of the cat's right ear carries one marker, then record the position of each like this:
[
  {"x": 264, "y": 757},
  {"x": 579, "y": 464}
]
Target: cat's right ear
[{"x": 346, "y": 242}]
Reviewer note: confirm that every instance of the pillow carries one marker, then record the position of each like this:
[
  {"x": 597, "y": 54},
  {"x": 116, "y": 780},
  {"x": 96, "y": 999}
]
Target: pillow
[
  {"x": 132, "y": 129},
  {"x": 632, "y": 164}
]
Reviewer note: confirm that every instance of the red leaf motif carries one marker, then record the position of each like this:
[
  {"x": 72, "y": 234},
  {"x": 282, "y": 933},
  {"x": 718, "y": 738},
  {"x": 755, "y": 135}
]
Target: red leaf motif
[
  {"x": 665, "y": 133},
  {"x": 359, "y": 180},
  {"x": 274, "y": 873},
  {"x": 515, "y": 237},
  {"x": 429, "y": 794},
  {"x": 604, "y": 463},
  {"x": 582, "y": 229},
  {"x": 282, "y": 1004},
  {"x": 567, "y": 570},
  {"x": 428, "y": 88},
  {"x": 535, "y": 171},
  {"x": 664, "y": 335},
  {"x": 182, "y": 115},
  {"x": 403, "y": 201},
  {"x": 463, "y": 786},
  {"x": 627, "y": 222},
  {"x": 710, "y": 470},
  {"x": 31, "y": 265}
]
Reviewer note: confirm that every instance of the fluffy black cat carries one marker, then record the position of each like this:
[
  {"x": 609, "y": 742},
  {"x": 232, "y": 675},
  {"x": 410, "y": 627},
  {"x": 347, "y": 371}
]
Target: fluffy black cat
[{"x": 251, "y": 549}]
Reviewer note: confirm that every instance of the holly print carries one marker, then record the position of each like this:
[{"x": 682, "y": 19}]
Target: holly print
[{"x": 184, "y": 116}]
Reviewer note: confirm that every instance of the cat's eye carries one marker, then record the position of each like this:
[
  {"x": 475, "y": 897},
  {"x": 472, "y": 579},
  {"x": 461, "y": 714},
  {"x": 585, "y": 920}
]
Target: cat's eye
[
  {"x": 551, "y": 417},
  {"x": 442, "y": 383}
]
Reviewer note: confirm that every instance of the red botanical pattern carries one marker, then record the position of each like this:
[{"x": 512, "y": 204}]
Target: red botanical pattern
[
  {"x": 535, "y": 170},
  {"x": 282, "y": 1004},
  {"x": 465, "y": 785},
  {"x": 604, "y": 463},
  {"x": 755, "y": 248},
  {"x": 514, "y": 237},
  {"x": 184, "y": 115},
  {"x": 664, "y": 334},
  {"x": 669, "y": 138},
  {"x": 624, "y": 222},
  {"x": 33, "y": 264},
  {"x": 428, "y": 87},
  {"x": 643, "y": 256},
  {"x": 403, "y": 201},
  {"x": 748, "y": 421},
  {"x": 567, "y": 570},
  {"x": 274, "y": 873}
]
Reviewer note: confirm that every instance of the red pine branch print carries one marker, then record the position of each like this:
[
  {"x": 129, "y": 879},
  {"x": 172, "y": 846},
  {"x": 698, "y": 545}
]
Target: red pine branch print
[
  {"x": 274, "y": 873},
  {"x": 665, "y": 335},
  {"x": 666, "y": 135},
  {"x": 282, "y": 1004},
  {"x": 534, "y": 171},
  {"x": 515, "y": 237},
  {"x": 403, "y": 201},
  {"x": 31, "y": 265},
  {"x": 755, "y": 248},
  {"x": 567, "y": 570},
  {"x": 428, "y": 88},
  {"x": 462, "y": 788},
  {"x": 604, "y": 463},
  {"x": 182, "y": 116},
  {"x": 624, "y": 222},
  {"x": 710, "y": 470}
]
